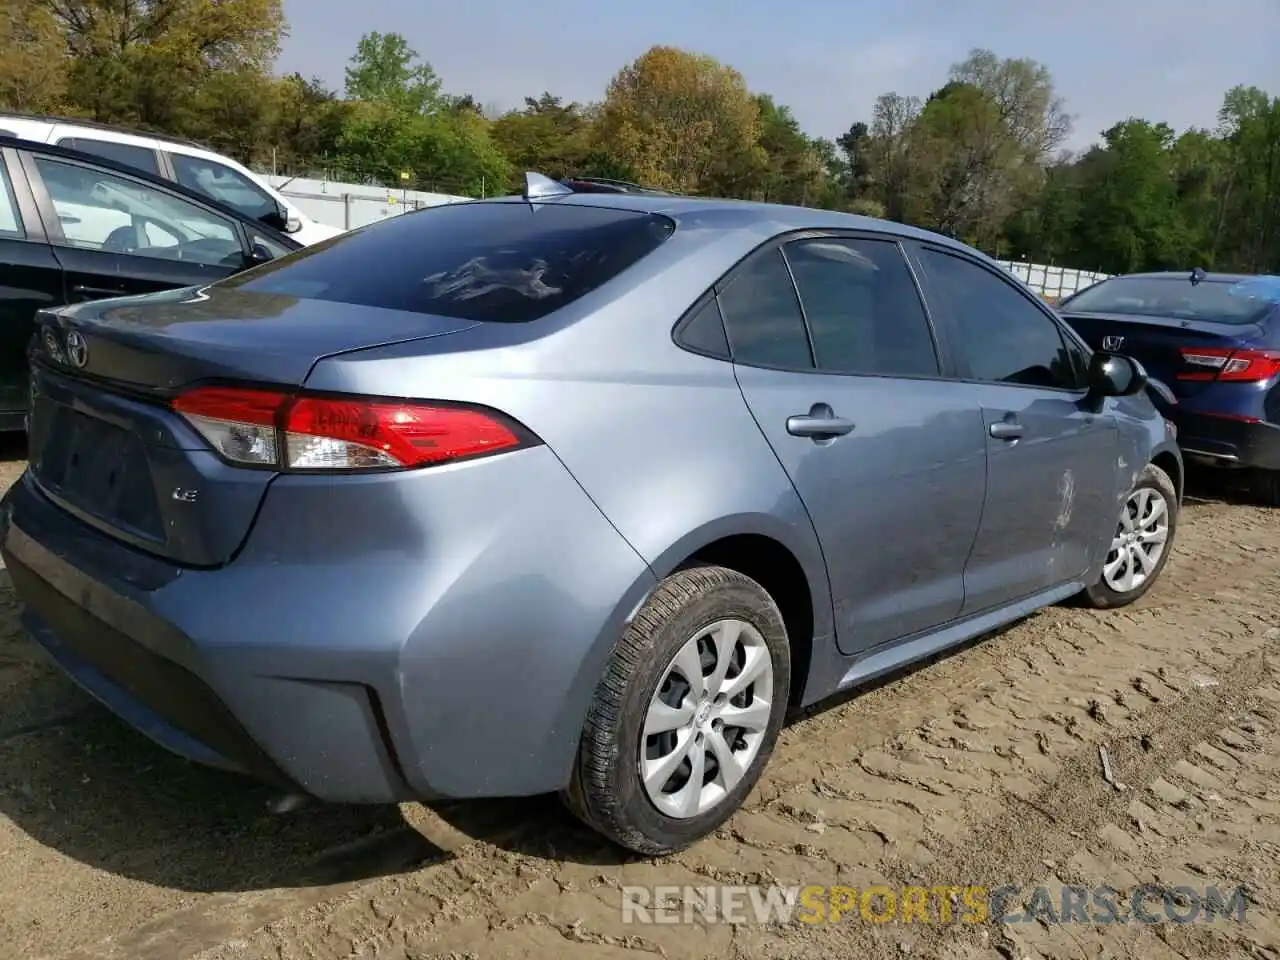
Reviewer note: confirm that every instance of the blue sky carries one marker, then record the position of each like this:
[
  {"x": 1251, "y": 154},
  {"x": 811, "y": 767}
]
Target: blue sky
[{"x": 1165, "y": 60}]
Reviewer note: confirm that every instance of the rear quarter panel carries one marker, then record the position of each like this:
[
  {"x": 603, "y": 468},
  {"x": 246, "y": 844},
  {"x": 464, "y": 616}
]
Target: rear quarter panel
[{"x": 660, "y": 439}]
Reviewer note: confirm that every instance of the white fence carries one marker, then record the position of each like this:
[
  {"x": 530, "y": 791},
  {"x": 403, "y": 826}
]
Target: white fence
[
  {"x": 350, "y": 205},
  {"x": 1052, "y": 283}
]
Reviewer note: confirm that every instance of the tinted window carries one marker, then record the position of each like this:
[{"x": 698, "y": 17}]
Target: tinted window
[
  {"x": 704, "y": 331},
  {"x": 219, "y": 182},
  {"x": 10, "y": 223},
  {"x": 762, "y": 315},
  {"x": 273, "y": 247},
  {"x": 101, "y": 211},
  {"x": 1220, "y": 301},
  {"x": 863, "y": 310},
  {"x": 141, "y": 158},
  {"x": 496, "y": 261},
  {"x": 1000, "y": 335}
]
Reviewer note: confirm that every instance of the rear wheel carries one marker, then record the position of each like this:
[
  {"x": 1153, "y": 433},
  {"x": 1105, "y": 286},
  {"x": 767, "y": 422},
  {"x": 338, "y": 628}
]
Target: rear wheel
[
  {"x": 1141, "y": 544},
  {"x": 687, "y": 714}
]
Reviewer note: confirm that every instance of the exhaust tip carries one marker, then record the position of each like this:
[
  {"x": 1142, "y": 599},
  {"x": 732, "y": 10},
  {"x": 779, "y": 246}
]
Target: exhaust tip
[{"x": 287, "y": 803}]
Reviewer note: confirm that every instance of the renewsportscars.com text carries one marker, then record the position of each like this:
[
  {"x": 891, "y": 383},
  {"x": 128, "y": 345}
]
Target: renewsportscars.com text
[{"x": 1147, "y": 904}]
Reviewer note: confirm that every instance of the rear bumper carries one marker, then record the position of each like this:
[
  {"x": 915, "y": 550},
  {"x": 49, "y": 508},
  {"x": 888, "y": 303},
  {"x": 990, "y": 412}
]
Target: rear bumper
[
  {"x": 351, "y": 677},
  {"x": 1230, "y": 442}
]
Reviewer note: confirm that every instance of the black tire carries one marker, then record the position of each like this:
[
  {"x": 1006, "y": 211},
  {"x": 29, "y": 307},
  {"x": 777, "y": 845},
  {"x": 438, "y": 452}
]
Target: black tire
[
  {"x": 1266, "y": 486},
  {"x": 1103, "y": 597},
  {"x": 606, "y": 791}
]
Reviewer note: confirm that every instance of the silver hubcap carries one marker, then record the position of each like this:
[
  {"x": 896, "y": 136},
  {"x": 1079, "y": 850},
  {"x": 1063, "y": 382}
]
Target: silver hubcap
[
  {"x": 1139, "y": 542},
  {"x": 707, "y": 719}
]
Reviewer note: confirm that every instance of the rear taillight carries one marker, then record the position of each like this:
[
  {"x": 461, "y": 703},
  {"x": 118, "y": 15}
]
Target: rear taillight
[
  {"x": 307, "y": 432},
  {"x": 1240, "y": 366}
]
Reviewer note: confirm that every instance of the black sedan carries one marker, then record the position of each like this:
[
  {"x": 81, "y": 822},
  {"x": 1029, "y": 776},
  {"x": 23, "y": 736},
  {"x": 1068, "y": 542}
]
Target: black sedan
[{"x": 77, "y": 227}]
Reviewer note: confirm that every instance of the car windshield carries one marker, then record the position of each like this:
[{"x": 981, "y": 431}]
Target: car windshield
[
  {"x": 488, "y": 261},
  {"x": 1216, "y": 301}
]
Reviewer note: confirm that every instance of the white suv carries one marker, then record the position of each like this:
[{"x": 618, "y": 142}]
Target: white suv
[{"x": 189, "y": 164}]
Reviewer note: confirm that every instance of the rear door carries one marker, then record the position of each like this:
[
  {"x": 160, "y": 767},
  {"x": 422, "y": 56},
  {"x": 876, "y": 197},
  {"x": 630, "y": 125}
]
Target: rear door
[
  {"x": 30, "y": 278},
  {"x": 1051, "y": 464},
  {"x": 841, "y": 372},
  {"x": 116, "y": 236}
]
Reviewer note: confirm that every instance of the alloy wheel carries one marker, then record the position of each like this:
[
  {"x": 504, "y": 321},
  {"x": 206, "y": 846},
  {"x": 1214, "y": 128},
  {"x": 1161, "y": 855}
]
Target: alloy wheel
[
  {"x": 707, "y": 719},
  {"x": 1140, "y": 541}
]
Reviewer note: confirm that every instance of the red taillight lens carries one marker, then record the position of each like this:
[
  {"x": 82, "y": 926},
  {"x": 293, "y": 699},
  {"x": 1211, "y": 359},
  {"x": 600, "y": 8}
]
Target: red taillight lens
[
  {"x": 287, "y": 432},
  {"x": 1240, "y": 366}
]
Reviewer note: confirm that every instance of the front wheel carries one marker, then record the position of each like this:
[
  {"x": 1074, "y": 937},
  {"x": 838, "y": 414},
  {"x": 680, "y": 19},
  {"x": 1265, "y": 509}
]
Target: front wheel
[
  {"x": 687, "y": 714},
  {"x": 1142, "y": 542}
]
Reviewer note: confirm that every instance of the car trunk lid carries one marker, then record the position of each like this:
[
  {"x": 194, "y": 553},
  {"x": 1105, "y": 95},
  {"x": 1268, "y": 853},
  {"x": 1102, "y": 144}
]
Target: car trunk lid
[
  {"x": 104, "y": 442},
  {"x": 1158, "y": 342}
]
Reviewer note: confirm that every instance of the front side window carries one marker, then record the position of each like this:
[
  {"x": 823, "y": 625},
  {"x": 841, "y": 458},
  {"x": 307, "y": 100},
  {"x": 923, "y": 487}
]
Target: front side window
[
  {"x": 219, "y": 182},
  {"x": 863, "y": 309},
  {"x": 101, "y": 211},
  {"x": 272, "y": 247},
  {"x": 487, "y": 261},
  {"x": 762, "y": 315},
  {"x": 1000, "y": 336},
  {"x": 140, "y": 158}
]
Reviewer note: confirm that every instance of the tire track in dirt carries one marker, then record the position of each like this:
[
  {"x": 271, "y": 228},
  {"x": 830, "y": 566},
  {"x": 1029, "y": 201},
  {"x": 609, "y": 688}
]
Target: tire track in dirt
[{"x": 904, "y": 782}]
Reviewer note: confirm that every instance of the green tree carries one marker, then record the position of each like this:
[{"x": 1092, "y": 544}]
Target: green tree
[
  {"x": 1249, "y": 125},
  {"x": 33, "y": 67},
  {"x": 548, "y": 136},
  {"x": 385, "y": 70},
  {"x": 680, "y": 120},
  {"x": 144, "y": 61},
  {"x": 1129, "y": 217}
]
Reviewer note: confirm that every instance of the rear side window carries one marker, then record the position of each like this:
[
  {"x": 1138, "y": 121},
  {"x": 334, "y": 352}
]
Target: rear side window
[
  {"x": 504, "y": 262},
  {"x": 140, "y": 158},
  {"x": 704, "y": 332},
  {"x": 864, "y": 313},
  {"x": 762, "y": 315}
]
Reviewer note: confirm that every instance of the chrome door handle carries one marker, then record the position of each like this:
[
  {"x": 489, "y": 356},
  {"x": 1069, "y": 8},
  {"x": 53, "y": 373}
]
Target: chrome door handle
[{"x": 1006, "y": 430}]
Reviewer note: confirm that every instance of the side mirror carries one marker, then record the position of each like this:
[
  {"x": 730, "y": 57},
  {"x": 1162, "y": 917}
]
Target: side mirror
[
  {"x": 1114, "y": 375},
  {"x": 258, "y": 253},
  {"x": 282, "y": 219}
]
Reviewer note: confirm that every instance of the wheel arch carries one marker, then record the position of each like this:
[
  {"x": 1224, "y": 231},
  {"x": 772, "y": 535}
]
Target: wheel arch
[
  {"x": 786, "y": 564},
  {"x": 1168, "y": 458}
]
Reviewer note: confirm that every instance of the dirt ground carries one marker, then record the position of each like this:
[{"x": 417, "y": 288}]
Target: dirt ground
[{"x": 981, "y": 768}]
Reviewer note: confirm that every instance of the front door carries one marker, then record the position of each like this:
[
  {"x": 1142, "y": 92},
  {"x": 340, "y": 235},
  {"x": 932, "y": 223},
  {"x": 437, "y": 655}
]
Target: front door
[
  {"x": 1051, "y": 463},
  {"x": 888, "y": 458},
  {"x": 30, "y": 280},
  {"x": 116, "y": 236}
]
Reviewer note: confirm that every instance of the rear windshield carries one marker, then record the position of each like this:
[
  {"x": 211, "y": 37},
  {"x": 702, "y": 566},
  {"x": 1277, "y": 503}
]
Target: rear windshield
[
  {"x": 507, "y": 262},
  {"x": 1217, "y": 301}
]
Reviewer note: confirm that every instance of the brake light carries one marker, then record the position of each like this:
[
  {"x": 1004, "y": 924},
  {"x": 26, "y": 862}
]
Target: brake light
[
  {"x": 305, "y": 432},
  {"x": 1240, "y": 366}
]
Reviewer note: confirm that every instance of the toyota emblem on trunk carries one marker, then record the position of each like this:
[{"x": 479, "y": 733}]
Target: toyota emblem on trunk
[
  {"x": 1108, "y": 343},
  {"x": 77, "y": 349}
]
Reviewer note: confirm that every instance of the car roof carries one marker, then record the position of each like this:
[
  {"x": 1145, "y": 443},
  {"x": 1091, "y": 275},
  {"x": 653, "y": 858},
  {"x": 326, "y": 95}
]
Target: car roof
[
  {"x": 728, "y": 213},
  {"x": 34, "y": 146},
  {"x": 98, "y": 126}
]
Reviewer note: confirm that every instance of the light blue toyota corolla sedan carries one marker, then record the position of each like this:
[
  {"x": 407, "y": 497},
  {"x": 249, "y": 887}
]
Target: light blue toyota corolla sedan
[{"x": 565, "y": 492}]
